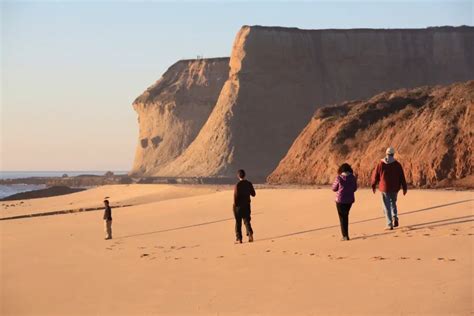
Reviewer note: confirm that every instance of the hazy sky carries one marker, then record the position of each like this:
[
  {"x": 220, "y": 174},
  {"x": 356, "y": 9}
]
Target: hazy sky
[{"x": 70, "y": 70}]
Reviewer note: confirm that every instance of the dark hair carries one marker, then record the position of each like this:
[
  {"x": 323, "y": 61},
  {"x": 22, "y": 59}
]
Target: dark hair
[
  {"x": 241, "y": 173},
  {"x": 345, "y": 167},
  {"x": 106, "y": 201}
]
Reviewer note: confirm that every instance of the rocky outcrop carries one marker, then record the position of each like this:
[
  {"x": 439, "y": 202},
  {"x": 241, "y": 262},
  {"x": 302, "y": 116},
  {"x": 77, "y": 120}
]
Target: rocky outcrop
[
  {"x": 172, "y": 111},
  {"x": 430, "y": 128},
  {"x": 279, "y": 76}
]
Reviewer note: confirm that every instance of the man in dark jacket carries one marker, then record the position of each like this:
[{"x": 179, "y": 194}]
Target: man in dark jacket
[
  {"x": 242, "y": 192},
  {"x": 390, "y": 177},
  {"x": 107, "y": 220}
]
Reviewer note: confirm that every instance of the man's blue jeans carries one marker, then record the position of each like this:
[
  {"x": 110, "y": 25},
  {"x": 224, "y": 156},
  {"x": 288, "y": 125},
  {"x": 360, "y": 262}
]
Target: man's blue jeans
[{"x": 389, "y": 200}]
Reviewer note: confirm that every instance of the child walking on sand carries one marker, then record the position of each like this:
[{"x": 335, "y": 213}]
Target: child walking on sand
[
  {"x": 344, "y": 185},
  {"x": 107, "y": 220}
]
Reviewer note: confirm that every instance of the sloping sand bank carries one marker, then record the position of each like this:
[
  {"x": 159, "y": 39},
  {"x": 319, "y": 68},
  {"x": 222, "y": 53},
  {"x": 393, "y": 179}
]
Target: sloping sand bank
[{"x": 177, "y": 257}]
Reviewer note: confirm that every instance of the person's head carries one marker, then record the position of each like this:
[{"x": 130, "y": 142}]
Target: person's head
[
  {"x": 106, "y": 202},
  {"x": 390, "y": 151},
  {"x": 241, "y": 174},
  {"x": 345, "y": 167}
]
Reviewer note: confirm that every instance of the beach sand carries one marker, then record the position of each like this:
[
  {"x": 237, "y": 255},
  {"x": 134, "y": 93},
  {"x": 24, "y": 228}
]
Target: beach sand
[{"x": 173, "y": 254}]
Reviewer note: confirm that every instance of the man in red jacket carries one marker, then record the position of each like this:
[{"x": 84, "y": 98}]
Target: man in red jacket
[{"x": 390, "y": 177}]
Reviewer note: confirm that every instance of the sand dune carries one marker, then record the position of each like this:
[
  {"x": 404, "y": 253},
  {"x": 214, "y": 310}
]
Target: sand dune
[{"x": 176, "y": 256}]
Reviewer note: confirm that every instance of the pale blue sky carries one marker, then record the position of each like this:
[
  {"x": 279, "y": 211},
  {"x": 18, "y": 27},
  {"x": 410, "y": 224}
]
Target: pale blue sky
[{"x": 70, "y": 70}]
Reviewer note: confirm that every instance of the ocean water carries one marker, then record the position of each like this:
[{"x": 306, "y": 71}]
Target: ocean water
[
  {"x": 7, "y": 190},
  {"x": 27, "y": 174}
]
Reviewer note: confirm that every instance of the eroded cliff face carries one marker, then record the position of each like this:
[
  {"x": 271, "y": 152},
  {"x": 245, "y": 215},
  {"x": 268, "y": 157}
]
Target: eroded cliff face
[
  {"x": 278, "y": 77},
  {"x": 173, "y": 110},
  {"x": 429, "y": 127}
]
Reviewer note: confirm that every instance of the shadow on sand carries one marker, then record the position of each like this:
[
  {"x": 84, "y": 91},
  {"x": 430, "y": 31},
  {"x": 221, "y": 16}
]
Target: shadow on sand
[
  {"x": 369, "y": 220},
  {"x": 321, "y": 228},
  {"x": 410, "y": 228},
  {"x": 183, "y": 227}
]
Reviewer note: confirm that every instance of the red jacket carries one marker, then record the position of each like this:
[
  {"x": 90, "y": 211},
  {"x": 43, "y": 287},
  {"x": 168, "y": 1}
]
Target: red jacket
[{"x": 389, "y": 176}]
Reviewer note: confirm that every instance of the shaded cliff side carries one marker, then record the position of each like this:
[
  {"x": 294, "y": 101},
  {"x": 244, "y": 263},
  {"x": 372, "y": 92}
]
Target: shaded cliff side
[
  {"x": 429, "y": 127},
  {"x": 279, "y": 76},
  {"x": 172, "y": 111}
]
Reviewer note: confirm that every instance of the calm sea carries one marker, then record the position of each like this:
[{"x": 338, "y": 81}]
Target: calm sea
[{"x": 6, "y": 190}]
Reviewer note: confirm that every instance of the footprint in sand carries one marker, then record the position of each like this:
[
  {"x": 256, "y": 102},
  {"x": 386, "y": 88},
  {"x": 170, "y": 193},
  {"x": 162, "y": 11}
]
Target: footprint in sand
[
  {"x": 312, "y": 254},
  {"x": 441, "y": 258},
  {"x": 109, "y": 248},
  {"x": 195, "y": 258},
  {"x": 426, "y": 235},
  {"x": 453, "y": 234},
  {"x": 452, "y": 259},
  {"x": 339, "y": 258},
  {"x": 395, "y": 236},
  {"x": 418, "y": 259},
  {"x": 177, "y": 258},
  {"x": 296, "y": 253},
  {"x": 404, "y": 258},
  {"x": 144, "y": 255},
  {"x": 220, "y": 257},
  {"x": 268, "y": 250},
  {"x": 182, "y": 247},
  {"x": 379, "y": 258}
]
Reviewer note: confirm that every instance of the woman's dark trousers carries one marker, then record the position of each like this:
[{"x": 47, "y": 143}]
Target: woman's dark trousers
[
  {"x": 343, "y": 211},
  {"x": 242, "y": 212}
]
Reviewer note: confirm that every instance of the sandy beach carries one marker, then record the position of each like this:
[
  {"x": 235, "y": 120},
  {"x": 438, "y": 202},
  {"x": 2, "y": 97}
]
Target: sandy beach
[{"x": 173, "y": 254}]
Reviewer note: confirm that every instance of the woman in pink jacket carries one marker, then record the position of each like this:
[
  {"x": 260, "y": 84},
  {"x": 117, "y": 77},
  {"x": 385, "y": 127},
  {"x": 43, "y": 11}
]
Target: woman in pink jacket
[{"x": 344, "y": 185}]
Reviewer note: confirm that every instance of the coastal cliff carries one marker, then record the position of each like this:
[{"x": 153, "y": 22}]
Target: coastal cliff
[
  {"x": 278, "y": 77},
  {"x": 429, "y": 127},
  {"x": 172, "y": 111}
]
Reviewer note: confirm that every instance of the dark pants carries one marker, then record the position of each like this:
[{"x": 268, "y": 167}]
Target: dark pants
[
  {"x": 242, "y": 212},
  {"x": 343, "y": 211}
]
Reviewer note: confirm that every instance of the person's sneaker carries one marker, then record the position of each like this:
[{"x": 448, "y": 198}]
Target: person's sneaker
[
  {"x": 389, "y": 227},
  {"x": 395, "y": 222},
  {"x": 345, "y": 238},
  {"x": 107, "y": 238},
  {"x": 238, "y": 241},
  {"x": 251, "y": 238}
]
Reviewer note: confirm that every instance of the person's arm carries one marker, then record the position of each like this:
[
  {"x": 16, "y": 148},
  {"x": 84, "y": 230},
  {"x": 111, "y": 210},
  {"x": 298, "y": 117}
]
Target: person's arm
[
  {"x": 235, "y": 195},
  {"x": 355, "y": 183},
  {"x": 375, "y": 177},
  {"x": 252, "y": 190},
  {"x": 335, "y": 184},
  {"x": 403, "y": 181}
]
